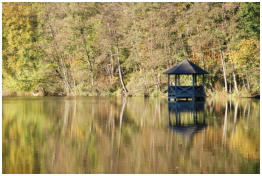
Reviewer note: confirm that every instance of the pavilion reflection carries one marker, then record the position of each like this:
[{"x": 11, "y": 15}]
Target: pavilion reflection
[{"x": 186, "y": 117}]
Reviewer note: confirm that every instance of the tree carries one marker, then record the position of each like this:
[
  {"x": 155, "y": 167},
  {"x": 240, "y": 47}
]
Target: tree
[
  {"x": 249, "y": 16},
  {"x": 21, "y": 57},
  {"x": 245, "y": 57}
]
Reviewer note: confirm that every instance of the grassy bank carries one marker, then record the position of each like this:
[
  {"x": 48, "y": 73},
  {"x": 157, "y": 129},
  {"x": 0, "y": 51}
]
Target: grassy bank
[{"x": 154, "y": 93}]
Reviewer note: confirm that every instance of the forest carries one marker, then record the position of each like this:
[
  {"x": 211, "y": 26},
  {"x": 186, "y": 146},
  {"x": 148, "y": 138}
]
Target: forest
[{"x": 104, "y": 49}]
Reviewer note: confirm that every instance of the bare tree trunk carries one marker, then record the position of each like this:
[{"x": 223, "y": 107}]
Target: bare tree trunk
[
  {"x": 248, "y": 85},
  {"x": 73, "y": 78},
  {"x": 112, "y": 67},
  {"x": 121, "y": 78},
  {"x": 224, "y": 69},
  {"x": 235, "y": 81},
  {"x": 120, "y": 73},
  {"x": 64, "y": 70}
]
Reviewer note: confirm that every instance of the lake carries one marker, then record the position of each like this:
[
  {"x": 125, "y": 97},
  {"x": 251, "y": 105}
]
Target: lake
[{"x": 132, "y": 135}]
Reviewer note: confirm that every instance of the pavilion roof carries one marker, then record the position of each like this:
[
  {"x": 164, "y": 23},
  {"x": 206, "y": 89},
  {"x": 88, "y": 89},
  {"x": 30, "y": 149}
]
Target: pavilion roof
[{"x": 186, "y": 67}]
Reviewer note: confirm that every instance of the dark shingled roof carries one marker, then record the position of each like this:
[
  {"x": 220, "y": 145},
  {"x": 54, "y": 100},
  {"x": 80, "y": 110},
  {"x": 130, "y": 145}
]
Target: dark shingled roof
[{"x": 186, "y": 67}]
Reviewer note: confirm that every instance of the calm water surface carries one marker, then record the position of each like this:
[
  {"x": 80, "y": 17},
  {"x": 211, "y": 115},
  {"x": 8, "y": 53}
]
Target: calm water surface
[{"x": 134, "y": 135}]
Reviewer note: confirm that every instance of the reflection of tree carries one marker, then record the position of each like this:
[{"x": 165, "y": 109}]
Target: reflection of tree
[
  {"x": 120, "y": 123},
  {"x": 21, "y": 136},
  {"x": 235, "y": 114},
  {"x": 237, "y": 145},
  {"x": 105, "y": 135},
  {"x": 66, "y": 129},
  {"x": 225, "y": 126}
]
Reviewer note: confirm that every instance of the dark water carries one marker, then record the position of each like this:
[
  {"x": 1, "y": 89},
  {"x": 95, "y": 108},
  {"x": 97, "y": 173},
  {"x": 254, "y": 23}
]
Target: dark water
[{"x": 134, "y": 135}]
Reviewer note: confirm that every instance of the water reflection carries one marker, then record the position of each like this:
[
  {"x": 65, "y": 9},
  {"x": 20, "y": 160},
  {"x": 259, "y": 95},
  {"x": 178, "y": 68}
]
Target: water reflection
[
  {"x": 192, "y": 114},
  {"x": 115, "y": 135},
  {"x": 120, "y": 123}
]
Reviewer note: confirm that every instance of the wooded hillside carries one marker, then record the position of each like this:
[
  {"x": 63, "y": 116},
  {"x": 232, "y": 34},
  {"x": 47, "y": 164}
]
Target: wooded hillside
[{"x": 111, "y": 48}]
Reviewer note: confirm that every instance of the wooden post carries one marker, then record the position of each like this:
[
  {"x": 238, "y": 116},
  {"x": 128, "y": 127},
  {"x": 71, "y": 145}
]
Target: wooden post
[
  {"x": 204, "y": 113},
  {"x": 193, "y": 98},
  {"x": 175, "y": 80},
  {"x": 195, "y": 80},
  {"x": 203, "y": 84},
  {"x": 203, "y": 80},
  {"x": 175, "y": 85},
  {"x": 168, "y": 89},
  {"x": 178, "y": 81},
  {"x": 168, "y": 81}
]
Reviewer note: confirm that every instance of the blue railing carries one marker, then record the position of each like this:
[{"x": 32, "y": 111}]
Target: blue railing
[{"x": 186, "y": 91}]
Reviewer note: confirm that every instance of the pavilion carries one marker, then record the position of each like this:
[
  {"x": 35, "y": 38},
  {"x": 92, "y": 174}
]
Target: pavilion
[{"x": 177, "y": 91}]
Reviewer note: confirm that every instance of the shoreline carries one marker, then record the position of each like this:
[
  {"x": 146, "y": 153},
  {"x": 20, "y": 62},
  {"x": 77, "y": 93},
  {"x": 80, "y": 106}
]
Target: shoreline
[{"x": 228, "y": 96}]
